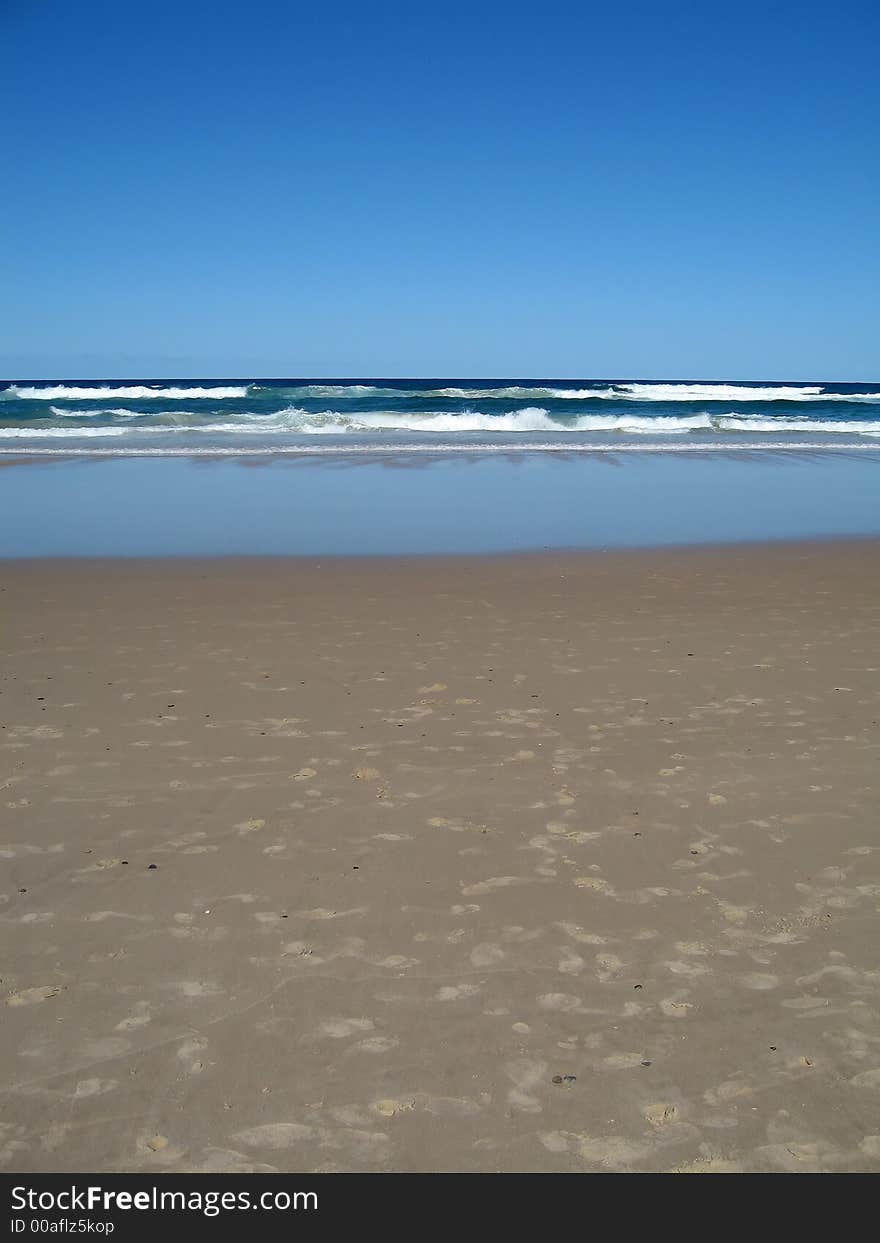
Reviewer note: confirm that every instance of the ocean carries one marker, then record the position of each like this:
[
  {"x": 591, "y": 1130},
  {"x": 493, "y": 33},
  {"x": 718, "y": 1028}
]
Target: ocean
[
  {"x": 313, "y": 417},
  {"x": 375, "y": 466}
]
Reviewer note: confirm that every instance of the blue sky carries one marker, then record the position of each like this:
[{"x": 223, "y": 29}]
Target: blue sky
[{"x": 460, "y": 189}]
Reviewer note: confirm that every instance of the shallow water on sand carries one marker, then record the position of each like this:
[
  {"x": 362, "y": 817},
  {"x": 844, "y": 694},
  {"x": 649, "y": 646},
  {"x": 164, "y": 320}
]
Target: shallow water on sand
[{"x": 412, "y": 505}]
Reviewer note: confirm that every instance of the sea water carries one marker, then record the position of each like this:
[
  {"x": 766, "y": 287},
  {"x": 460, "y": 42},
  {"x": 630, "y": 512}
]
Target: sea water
[
  {"x": 323, "y": 467},
  {"x": 414, "y": 504},
  {"x": 308, "y": 417}
]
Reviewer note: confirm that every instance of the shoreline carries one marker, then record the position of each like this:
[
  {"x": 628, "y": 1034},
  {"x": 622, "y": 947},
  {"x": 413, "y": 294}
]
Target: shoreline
[
  {"x": 575, "y": 552},
  {"x": 439, "y": 452}
]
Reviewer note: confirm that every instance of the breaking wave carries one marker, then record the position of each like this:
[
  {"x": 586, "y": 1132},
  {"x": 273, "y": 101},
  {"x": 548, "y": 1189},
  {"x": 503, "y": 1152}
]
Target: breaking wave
[
  {"x": 294, "y": 420},
  {"x": 743, "y": 423},
  {"x": 531, "y": 419}
]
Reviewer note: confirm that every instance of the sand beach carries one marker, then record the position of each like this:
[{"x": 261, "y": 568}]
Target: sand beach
[{"x": 560, "y": 862}]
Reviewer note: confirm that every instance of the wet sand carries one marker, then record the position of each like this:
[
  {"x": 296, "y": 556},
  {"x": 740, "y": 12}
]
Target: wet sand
[{"x": 559, "y": 862}]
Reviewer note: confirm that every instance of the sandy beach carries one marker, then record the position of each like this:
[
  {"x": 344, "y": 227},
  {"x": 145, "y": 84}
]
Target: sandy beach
[{"x": 561, "y": 862}]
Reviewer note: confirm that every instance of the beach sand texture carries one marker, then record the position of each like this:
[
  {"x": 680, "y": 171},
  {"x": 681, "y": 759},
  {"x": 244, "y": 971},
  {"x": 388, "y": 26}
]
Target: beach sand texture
[{"x": 564, "y": 862}]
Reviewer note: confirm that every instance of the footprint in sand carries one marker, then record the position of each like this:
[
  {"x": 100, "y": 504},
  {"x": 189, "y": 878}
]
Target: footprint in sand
[
  {"x": 623, "y": 1061},
  {"x": 486, "y": 954},
  {"x": 456, "y": 1106},
  {"x": 391, "y": 1108},
  {"x": 570, "y": 963},
  {"x": 455, "y": 992},
  {"x": 275, "y": 1135},
  {"x": 189, "y": 1054},
  {"x": 338, "y": 1029},
  {"x": 674, "y": 1008},
  {"x": 93, "y": 1087},
  {"x": 250, "y": 826},
  {"x": 32, "y": 996},
  {"x": 34, "y": 731},
  {"x": 661, "y": 1114},
  {"x": 195, "y": 988},
  {"x": 867, "y": 1079},
  {"x": 612, "y": 1151},
  {"x": 596, "y": 883},
  {"x": 494, "y": 882},
  {"x": 759, "y": 981},
  {"x": 374, "y": 1044},
  {"x": 565, "y": 1003},
  {"x": 708, "y": 1164},
  {"x": 140, "y": 1018},
  {"x": 526, "y": 1075}
]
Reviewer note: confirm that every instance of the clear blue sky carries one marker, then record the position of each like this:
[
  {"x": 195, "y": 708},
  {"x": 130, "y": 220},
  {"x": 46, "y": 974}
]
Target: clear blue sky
[{"x": 481, "y": 189}]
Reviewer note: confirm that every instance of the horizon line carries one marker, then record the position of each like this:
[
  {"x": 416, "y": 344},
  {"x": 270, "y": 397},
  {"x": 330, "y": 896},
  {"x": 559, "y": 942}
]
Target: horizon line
[{"x": 400, "y": 379}]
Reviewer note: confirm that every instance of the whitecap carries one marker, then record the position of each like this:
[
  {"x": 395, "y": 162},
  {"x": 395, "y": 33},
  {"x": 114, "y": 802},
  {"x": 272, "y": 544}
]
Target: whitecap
[{"x": 134, "y": 392}]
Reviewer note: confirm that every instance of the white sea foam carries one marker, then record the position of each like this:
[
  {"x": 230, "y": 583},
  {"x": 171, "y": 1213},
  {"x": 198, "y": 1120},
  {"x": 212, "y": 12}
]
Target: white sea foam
[
  {"x": 629, "y": 391},
  {"x": 740, "y": 423},
  {"x": 715, "y": 392},
  {"x": 636, "y": 391},
  {"x": 134, "y": 392},
  {"x": 41, "y": 433},
  {"x": 294, "y": 420},
  {"x": 515, "y": 392},
  {"x": 159, "y": 420},
  {"x": 530, "y": 419},
  {"x": 723, "y": 392},
  {"x": 442, "y": 448},
  {"x": 673, "y": 392},
  {"x": 662, "y": 424},
  {"x": 520, "y": 392},
  {"x": 96, "y": 412},
  {"x": 336, "y": 390},
  {"x": 334, "y": 422}
]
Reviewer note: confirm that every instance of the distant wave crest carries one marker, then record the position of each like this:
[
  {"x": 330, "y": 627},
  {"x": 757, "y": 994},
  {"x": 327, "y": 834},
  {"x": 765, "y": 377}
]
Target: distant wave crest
[
  {"x": 656, "y": 392},
  {"x": 533, "y": 394},
  {"x": 134, "y": 392},
  {"x": 733, "y": 392}
]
